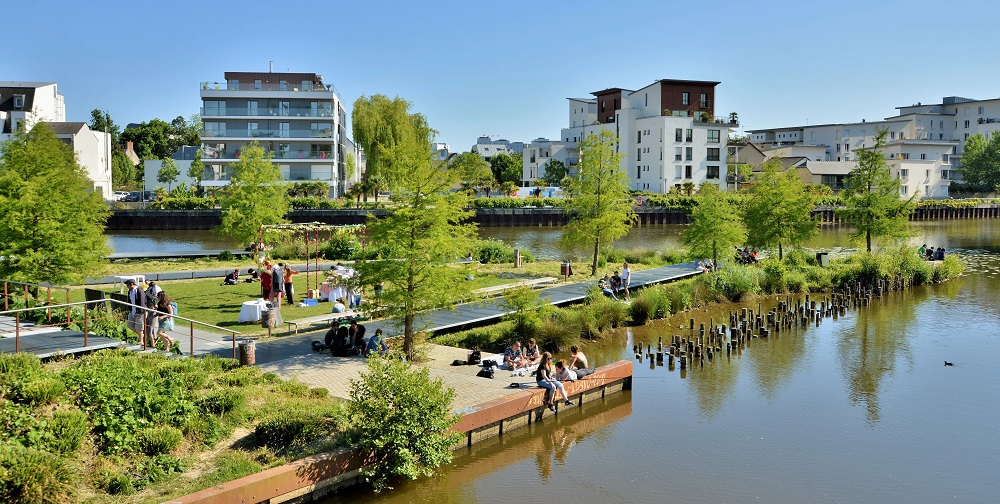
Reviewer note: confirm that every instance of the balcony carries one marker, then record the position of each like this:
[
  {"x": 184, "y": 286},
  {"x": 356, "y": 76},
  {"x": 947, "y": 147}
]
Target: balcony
[
  {"x": 290, "y": 154},
  {"x": 250, "y": 86},
  {"x": 266, "y": 112},
  {"x": 269, "y": 133}
]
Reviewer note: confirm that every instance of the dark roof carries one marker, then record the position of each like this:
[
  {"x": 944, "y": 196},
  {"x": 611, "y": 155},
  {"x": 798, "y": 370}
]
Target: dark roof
[
  {"x": 684, "y": 81},
  {"x": 586, "y": 100},
  {"x": 788, "y": 162},
  {"x": 611, "y": 90},
  {"x": 7, "y": 96},
  {"x": 66, "y": 128}
]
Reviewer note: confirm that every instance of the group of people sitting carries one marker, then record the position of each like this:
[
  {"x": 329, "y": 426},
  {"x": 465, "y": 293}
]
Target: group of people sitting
[
  {"x": 931, "y": 253},
  {"x": 746, "y": 255},
  {"x": 706, "y": 265},
  {"x": 233, "y": 277},
  {"x": 613, "y": 285},
  {"x": 530, "y": 358},
  {"x": 348, "y": 341}
]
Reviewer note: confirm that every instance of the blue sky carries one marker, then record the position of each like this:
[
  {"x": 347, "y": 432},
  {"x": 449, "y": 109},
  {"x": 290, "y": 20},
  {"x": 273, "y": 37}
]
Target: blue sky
[{"x": 506, "y": 68}]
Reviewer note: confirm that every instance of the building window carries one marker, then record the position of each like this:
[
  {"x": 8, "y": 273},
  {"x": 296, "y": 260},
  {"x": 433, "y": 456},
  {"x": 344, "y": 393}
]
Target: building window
[
  {"x": 638, "y": 155},
  {"x": 981, "y": 109},
  {"x": 282, "y": 152},
  {"x": 688, "y": 154},
  {"x": 945, "y": 174},
  {"x": 252, "y": 129},
  {"x": 602, "y": 105},
  {"x": 967, "y": 124},
  {"x": 233, "y": 85},
  {"x": 713, "y": 136},
  {"x": 946, "y": 158},
  {"x": 283, "y": 130},
  {"x": 923, "y": 156},
  {"x": 685, "y": 99},
  {"x": 18, "y": 102},
  {"x": 214, "y": 108},
  {"x": 257, "y": 84},
  {"x": 251, "y": 107},
  {"x": 678, "y": 156},
  {"x": 903, "y": 190},
  {"x": 904, "y": 155},
  {"x": 892, "y": 135},
  {"x": 215, "y": 129},
  {"x": 688, "y": 135},
  {"x": 713, "y": 154},
  {"x": 678, "y": 135},
  {"x": 904, "y": 174},
  {"x": 713, "y": 172},
  {"x": 282, "y": 85},
  {"x": 687, "y": 171},
  {"x": 966, "y": 136},
  {"x": 639, "y": 136},
  {"x": 847, "y": 147},
  {"x": 704, "y": 100},
  {"x": 307, "y": 85}
]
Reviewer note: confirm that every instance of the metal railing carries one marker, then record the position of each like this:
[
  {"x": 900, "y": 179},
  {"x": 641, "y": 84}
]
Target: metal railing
[
  {"x": 27, "y": 286},
  {"x": 110, "y": 313}
]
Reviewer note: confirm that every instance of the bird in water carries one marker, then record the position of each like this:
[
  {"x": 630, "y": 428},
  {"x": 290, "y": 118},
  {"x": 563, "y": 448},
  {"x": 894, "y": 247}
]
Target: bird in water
[{"x": 946, "y": 363}]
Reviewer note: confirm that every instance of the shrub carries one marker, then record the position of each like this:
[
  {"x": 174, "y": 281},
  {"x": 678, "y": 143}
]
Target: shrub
[
  {"x": 66, "y": 431},
  {"x": 226, "y": 255},
  {"x": 30, "y": 475},
  {"x": 608, "y": 313},
  {"x": 773, "y": 280},
  {"x": 241, "y": 377},
  {"x": 678, "y": 295},
  {"x": 116, "y": 483},
  {"x": 557, "y": 332},
  {"x": 19, "y": 364},
  {"x": 283, "y": 429},
  {"x": 156, "y": 440},
  {"x": 307, "y": 203},
  {"x": 650, "y": 303},
  {"x": 38, "y": 392},
  {"x": 205, "y": 429},
  {"x": 731, "y": 283},
  {"x": 951, "y": 267},
  {"x": 318, "y": 392},
  {"x": 160, "y": 467},
  {"x": 341, "y": 247},
  {"x": 391, "y": 393},
  {"x": 222, "y": 401},
  {"x": 798, "y": 257},
  {"x": 293, "y": 388},
  {"x": 493, "y": 251},
  {"x": 290, "y": 250}
]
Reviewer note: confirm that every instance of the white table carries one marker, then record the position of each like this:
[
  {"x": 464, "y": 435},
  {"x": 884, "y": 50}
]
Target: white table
[
  {"x": 121, "y": 279},
  {"x": 253, "y": 311}
]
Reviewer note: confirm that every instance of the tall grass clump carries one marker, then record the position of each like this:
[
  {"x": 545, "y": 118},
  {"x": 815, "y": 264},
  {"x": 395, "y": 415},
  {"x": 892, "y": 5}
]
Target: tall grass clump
[
  {"x": 951, "y": 267},
  {"x": 732, "y": 283},
  {"x": 649, "y": 304}
]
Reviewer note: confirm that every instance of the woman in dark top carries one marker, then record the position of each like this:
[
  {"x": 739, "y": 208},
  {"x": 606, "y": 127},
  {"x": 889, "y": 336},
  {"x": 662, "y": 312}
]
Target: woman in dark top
[{"x": 544, "y": 378}]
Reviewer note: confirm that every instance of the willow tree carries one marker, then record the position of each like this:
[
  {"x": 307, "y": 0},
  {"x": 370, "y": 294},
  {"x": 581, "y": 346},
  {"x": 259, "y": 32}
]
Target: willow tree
[
  {"x": 600, "y": 208},
  {"x": 872, "y": 206},
  {"x": 379, "y": 124},
  {"x": 421, "y": 238},
  {"x": 715, "y": 224},
  {"x": 778, "y": 210},
  {"x": 256, "y": 195},
  {"x": 52, "y": 228}
]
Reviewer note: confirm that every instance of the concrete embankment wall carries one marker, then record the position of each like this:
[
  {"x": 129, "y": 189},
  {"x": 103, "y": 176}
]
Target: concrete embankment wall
[{"x": 312, "y": 477}]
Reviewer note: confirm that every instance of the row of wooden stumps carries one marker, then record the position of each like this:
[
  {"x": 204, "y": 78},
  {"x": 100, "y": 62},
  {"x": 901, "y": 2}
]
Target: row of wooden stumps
[{"x": 747, "y": 324}]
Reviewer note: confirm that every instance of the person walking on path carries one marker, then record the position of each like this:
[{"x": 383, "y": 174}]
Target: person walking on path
[
  {"x": 626, "y": 279},
  {"x": 136, "y": 317},
  {"x": 166, "y": 319}
]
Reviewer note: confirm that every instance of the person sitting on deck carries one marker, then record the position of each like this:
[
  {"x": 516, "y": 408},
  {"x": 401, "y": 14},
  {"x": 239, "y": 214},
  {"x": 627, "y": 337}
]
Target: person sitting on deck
[
  {"x": 579, "y": 362},
  {"x": 616, "y": 282},
  {"x": 544, "y": 379},
  {"x": 531, "y": 354},
  {"x": 564, "y": 373},
  {"x": 357, "y": 335},
  {"x": 605, "y": 285},
  {"x": 376, "y": 345},
  {"x": 512, "y": 356},
  {"x": 939, "y": 254},
  {"x": 232, "y": 278},
  {"x": 922, "y": 251}
]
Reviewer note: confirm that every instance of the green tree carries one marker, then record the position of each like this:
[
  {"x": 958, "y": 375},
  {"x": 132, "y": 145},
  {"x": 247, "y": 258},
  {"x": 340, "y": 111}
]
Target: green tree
[
  {"x": 53, "y": 222},
  {"x": 506, "y": 167},
  {"x": 715, "y": 224},
  {"x": 379, "y": 124},
  {"x": 600, "y": 207},
  {"x": 168, "y": 173},
  {"x": 426, "y": 232},
  {"x": 525, "y": 308},
  {"x": 555, "y": 172},
  {"x": 473, "y": 171},
  {"x": 403, "y": 419},
  {"x": 101, "y": 121},
  {"x": 778, "y": 210},
  {"x": 980, "y": 166},
  {"x": 872, "y": 206},
  {"x": 151, "y": 140},
  {"x": 185, "y": 132},
  {"x": 122, "y": 169},
  {"x": 256, "y": 196},
  {"x": 197, "y": 170}
]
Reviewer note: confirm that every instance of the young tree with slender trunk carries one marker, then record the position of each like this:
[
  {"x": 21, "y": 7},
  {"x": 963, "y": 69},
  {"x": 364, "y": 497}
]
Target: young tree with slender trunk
[
  {"x": 52, "y": 228},
  {"x": 778, "y": 210},
  {"x": 600, "y": 208},
  {"x": 168, "y": 173},
  {"x": 715, "y": 224},
  {"x": 197, "y": 170},
  {"x": 257, "y": 195},
  {"x": 473, "y": 171},
  {"x": 872, "y": 206}
]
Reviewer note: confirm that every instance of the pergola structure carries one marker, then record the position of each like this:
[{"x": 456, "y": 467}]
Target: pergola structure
[{"x": 311, "y": 234}]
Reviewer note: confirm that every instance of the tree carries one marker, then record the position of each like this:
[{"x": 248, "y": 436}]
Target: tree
[
  {"x": 101, "y": 121},
  {"x": 980, "y": 166},
  {"x": 425, "y": 232},
  {"x": 168, "y": 173},
  {"x": 53, "y": 221},
  {"x": 872, "y": 207},
  {"x": 473, "y": 171},
  {"x": 715, "y": 224},
  {"x": 778, "y": 210},
  {"x": 256, "y": 196},
  {"x": 393, "y": 393},
  {"x": 185, "y": 132},
  {"x": 196, "y": 170},
  {"x": 150, "y": 139},
  {"x": 555, "y": 172},
  {"x": 379, "y": 124},
  {"x": 122, "y": 169},
  {"x": 688, "y": 188},
  {"x": 506, "y": 167},
  {"x": 600, "y": 207}
]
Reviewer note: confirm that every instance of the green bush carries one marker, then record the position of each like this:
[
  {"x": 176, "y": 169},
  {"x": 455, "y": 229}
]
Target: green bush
[
  {"x": 205, "y": 429},
  {"x": 951, "y": 267},
  {"x": 493, "y": 251},
  {"x": 732, "y": 283},
  {"x": 35, "y": 476},
  {"x": 226, "y": 255},
  {"x": 116, "y": 483},
  {"x": 66, "y": 430},
  {"x": 678, "y": 295},
  {"x": 293, "y": 388},
  {"x": 184, "y": 202},
  {"x": 798, "y": 257},
  {"x": 341, "y": 247},
  {"x": 160, "y": 467},
  {"x": 222, "y": 401},
  {"x": 512, "y": 202},
  {"x": 157, "y": 440},
  {"x": 417, "y": 409},
  {"x": 318, "y": 392},
  {"x": 558, "y": 331},
  {"x": 282, "y": 429},
  {"x": 649, "y": 304},
  {"x": 306, "y": 203},
  {"x": 290, "y": 250},
  {"x": 19, "y": 364},
  {"x": 608, "y": 313},
  {"x": 241, "y": 377},
  {"x": 773, "y": 280},
  {"x": 39, "y": 391}
]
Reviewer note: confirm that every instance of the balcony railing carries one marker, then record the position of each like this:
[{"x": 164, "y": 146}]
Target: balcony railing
[
  {"x": 265, "y": 112},
  {"x": 267, "y": 133},
  {"x": 275, "y": 154},
  {"x": 250, "y": 86}
]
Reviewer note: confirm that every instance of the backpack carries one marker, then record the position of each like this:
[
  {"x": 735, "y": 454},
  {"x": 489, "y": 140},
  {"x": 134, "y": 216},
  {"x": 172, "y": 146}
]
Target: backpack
[
  {"x": 475, "y": 357},
  {"x": 486, "y": 372}
]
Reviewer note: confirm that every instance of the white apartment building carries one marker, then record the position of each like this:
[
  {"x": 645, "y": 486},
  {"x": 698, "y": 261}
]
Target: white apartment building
[
  {"x": 300, "y": 121},
  {"x": 30, "y": 102},
  {"x": 540, "y": 151},
  {"x": 486, "y": 147},
  {"x": 667, "y": 132}
]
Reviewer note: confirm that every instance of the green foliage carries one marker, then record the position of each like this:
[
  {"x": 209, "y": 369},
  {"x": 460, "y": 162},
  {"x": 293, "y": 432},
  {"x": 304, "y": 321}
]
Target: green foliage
[
  {"x": 28, "y": 475},
  {"x": 284, "y": 430},
  {"x": 196, "y": 170},
  {"x": 473, "y": 172},
  {"x": 608, "y": 313},
  {"x": 493, "y": 251},
  {"x": 872, "y": 205},
  {"x": 526, "y": 310},
  {"x": 52, "y": 228},
  {"x": 157, "y": 440},
  {"x": 773, "y": 280},
  {"x": 66, "y": 431},
  {"x": 380, "y": 125},
  {"x": 950, "y": 268},
  {"x": 168, "y": 172},
  {"x": 651, "y": 303},
  {"x": 511, "y": 202},
  {"x": 317, "y": 189},
  {"x": 402, "y": 418},
  {"x": 304, "y": 203},
  {"x": 341, "y": 247},
  {"x": 777, "y": 209},
  {"x": 122, "y": 169},
  {"x": 732, "y": 283},
  {"x": 39, "y": 391},
  {"x": 506, "y": 167},
  {"x": 257, "y": 196},
  {"x": 980, "y": 166},
  {"x": 226, "y": 255},
  {"x": 715, "y": 226},
  {"x": 555, "y": 172},
  {"x": 601, "y": 208}
]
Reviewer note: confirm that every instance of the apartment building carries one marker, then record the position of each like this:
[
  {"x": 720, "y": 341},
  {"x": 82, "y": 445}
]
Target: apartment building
[
  {"x": 668, "y": 132},
  {"x": 28, "y": 103},
  {"x": 300, "y": 121},
  {"x": 486, "y": 147},
  {"x": 540, "y": 151}
]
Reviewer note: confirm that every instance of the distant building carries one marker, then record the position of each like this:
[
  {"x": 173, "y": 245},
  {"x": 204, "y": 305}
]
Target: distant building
[
  {"x": 295, "y": 117},
  {"x": 486, "y": 147},
  {"x": 440, "y": 151},
  {"x": 540, "y": 151},
  {"x": 28, "y": 103}
]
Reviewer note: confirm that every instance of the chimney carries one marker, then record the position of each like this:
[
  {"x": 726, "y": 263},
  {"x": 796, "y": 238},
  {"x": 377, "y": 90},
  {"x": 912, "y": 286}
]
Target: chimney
[{"x": 128, "y": 146}]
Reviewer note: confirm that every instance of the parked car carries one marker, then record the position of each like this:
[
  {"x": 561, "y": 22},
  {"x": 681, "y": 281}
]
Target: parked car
[
  {"x": 132, "y": 196},
  {"x": 119, "y": 195}
]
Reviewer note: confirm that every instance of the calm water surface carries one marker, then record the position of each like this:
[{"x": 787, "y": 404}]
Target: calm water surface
[{"x": 860, "y": 409}]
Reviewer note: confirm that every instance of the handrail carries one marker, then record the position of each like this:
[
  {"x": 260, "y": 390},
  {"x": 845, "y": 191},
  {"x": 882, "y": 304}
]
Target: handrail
[{"x": 34, "y": 285}]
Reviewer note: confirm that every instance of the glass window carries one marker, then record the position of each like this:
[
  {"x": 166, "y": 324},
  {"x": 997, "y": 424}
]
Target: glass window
[
  {"x": 713, "y": 172},
  {"x": 18, "y": 102},
  {"x": 713, "y": 154},
  {"x": 704, "y": 100},
  {"x": 252, "y": 129},
  {"x": 687, "y": 171},
  {"x": 282, "y": 85},
  {"x": 678, "y": 135},
  {"x": 688, "y": 135},
  {"x": 257, "y": 84},
  {"x": 685, "y": 99},
  {"x": 688, "y": 154},
  {"x": 713, "y": 136},
  {"x": 283, "y": 130},
  {"x": 251, "y": 107},
  {"x": 638, "y": 155},
  {"x": 233, "y": 85},
  {"x": 639, "y": 137},
  {"x": 678, "y": 156},
  {"x": 307, "y": 85}
]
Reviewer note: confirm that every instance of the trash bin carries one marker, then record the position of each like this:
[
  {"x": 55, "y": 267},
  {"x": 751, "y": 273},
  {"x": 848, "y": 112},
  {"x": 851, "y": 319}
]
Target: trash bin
[
  {"x": 517, "y": 258},
  {"x": 248, "y": 353},
  {"x": 268, "y": 316},
  {"x": 566, "y": 269},
  {"x": 823, "y": 258}
]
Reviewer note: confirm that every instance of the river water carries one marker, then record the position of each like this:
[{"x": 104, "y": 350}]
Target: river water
[{"x": 860, "y": 409}]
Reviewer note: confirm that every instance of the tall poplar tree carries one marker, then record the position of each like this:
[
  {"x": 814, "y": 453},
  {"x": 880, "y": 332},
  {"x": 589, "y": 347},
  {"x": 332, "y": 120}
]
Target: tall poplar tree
[
  {"x": 778, "y": 209},
  {"x": 52, "y": 228},
  {"x": 256, "y": 195},
  {"x": 872, "y": 206},
  {"x": 715, "y": 224},
  {"x": 600, "y": 208}
]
